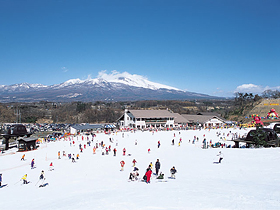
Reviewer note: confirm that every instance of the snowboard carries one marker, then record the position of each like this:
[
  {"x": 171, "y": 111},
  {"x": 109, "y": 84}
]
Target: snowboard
[
  {"x": 44, "y": 185},
  {"x": 171, "y": 177}
]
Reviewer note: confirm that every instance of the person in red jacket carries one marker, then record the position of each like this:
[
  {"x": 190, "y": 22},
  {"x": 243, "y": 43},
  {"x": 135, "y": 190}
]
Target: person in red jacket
[
  {"x": 148, "y": 175},
  {"x": 124, "y": 150},
  {"x": 122, "y": 165}
]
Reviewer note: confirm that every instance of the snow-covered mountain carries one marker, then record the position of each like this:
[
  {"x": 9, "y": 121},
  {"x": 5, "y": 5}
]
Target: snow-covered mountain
[{"x": 113, "y": 87}]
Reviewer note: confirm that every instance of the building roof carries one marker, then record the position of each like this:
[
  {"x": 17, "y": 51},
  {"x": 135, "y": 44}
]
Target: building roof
[
  {"x": 28, "y": 139},
  {"x": 199, "y": 118},
  {"x": 179, "y": 118},
  {"x": 151, "y": 113}
]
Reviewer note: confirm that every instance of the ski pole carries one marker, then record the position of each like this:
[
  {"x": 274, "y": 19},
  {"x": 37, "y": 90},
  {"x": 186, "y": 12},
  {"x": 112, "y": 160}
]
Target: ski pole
[
  {"x": 37, "y": 182},
  {"x": 17, "y": 182}
]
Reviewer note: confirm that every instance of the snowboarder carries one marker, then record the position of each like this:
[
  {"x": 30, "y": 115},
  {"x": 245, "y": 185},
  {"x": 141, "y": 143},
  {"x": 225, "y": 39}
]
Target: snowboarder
[
  {"x": 157, "y": 166},
  {"x": 124, "y": 150},
  {"x": 173, "y": 171},
  {"x": 32, "y": 163},
  {"x": 122, "y": 165},
  {"x": 24, "y": 179},
  {"x": 23, "y": 156},
  {"x": 221, "y": 156}
]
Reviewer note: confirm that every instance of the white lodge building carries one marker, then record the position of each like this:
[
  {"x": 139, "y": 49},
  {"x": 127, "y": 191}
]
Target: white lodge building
[{"x": 146, "y": 119}]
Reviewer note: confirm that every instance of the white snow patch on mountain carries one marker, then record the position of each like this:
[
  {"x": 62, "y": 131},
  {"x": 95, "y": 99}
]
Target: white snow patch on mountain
[
  {"x": 70, "y": 95},
  {"x": 132, "y": 80}
]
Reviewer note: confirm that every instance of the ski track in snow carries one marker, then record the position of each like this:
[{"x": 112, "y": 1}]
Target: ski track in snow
[{"x": 246, "y": 178}]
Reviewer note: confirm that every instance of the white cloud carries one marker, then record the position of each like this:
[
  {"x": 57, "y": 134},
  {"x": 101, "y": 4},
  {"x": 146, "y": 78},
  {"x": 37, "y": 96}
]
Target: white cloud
[
  {"x": 252, "y": 88},
  {"x": 64, "y": 69}
]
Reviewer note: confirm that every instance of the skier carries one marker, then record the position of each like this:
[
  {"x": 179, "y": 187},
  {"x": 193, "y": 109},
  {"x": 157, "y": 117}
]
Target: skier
[
  {"x": 221, "y": 156},
  {"x": 172, "y": 141},
  {"x": 148, "y": 175},
  {"x": 107, "y": 151},
  {"x": 41, "y": 178},
  {"x": 94, "y": 149},
  {"x": 149, "y": 150},
  {"x": 23, "y": 156},
  {"x": 73, "y": 159},
  {"x": 58, "y": 154},
  {"x": 32, "y": 164},
  {"x": 122, "y": 165},
  {"x": 135, "y": 141},
  {"x": 158, "y": 144},
  {"x": 77, "y": 156},
  {"x": 115, "y": 151},
  {"x": 24, "y": 179},
  {"x": 0, "y": 180},
  {"x": 124, "y": 150},
  {"x": 157, "y": 166},
  {"x": 173, "y": 171},
  {"x": 42, "y": 175}
]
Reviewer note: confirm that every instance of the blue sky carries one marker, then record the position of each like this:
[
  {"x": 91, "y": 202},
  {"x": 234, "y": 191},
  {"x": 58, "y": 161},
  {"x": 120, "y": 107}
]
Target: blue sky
[{"x": 207, "y": 46}]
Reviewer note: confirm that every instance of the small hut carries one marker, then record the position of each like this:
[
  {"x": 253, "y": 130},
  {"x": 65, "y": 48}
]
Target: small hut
[{"x": 25, "y": 144}]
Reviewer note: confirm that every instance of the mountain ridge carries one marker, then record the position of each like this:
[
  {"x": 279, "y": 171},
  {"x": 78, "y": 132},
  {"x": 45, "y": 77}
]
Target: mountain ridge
[{"x": 113, "y": 87}]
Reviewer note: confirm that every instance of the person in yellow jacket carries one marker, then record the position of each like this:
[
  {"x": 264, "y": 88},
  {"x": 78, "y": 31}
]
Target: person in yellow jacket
[{"x": 24, "y": 179}]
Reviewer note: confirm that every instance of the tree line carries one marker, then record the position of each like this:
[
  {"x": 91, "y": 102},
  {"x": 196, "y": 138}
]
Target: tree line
[{"x": 107, "y": 112}]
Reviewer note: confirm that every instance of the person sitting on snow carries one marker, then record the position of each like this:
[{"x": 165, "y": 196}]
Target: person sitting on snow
[{"x": 161, "y": 176}]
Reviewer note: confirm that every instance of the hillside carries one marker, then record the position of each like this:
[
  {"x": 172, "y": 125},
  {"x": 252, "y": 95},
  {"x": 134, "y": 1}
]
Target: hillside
[{"x": 265, "y": 106}]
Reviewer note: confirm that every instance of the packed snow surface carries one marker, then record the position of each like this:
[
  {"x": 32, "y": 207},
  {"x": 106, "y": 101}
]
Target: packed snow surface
[{"x": 246, "y": 178}]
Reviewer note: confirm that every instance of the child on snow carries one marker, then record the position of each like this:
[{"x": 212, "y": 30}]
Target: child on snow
[
  {"x": 51, "y": 168},
  {"x": 122, "y": 165},
  {"x": 148, "y": 175},
  {"x": 173, "y": 171}
]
